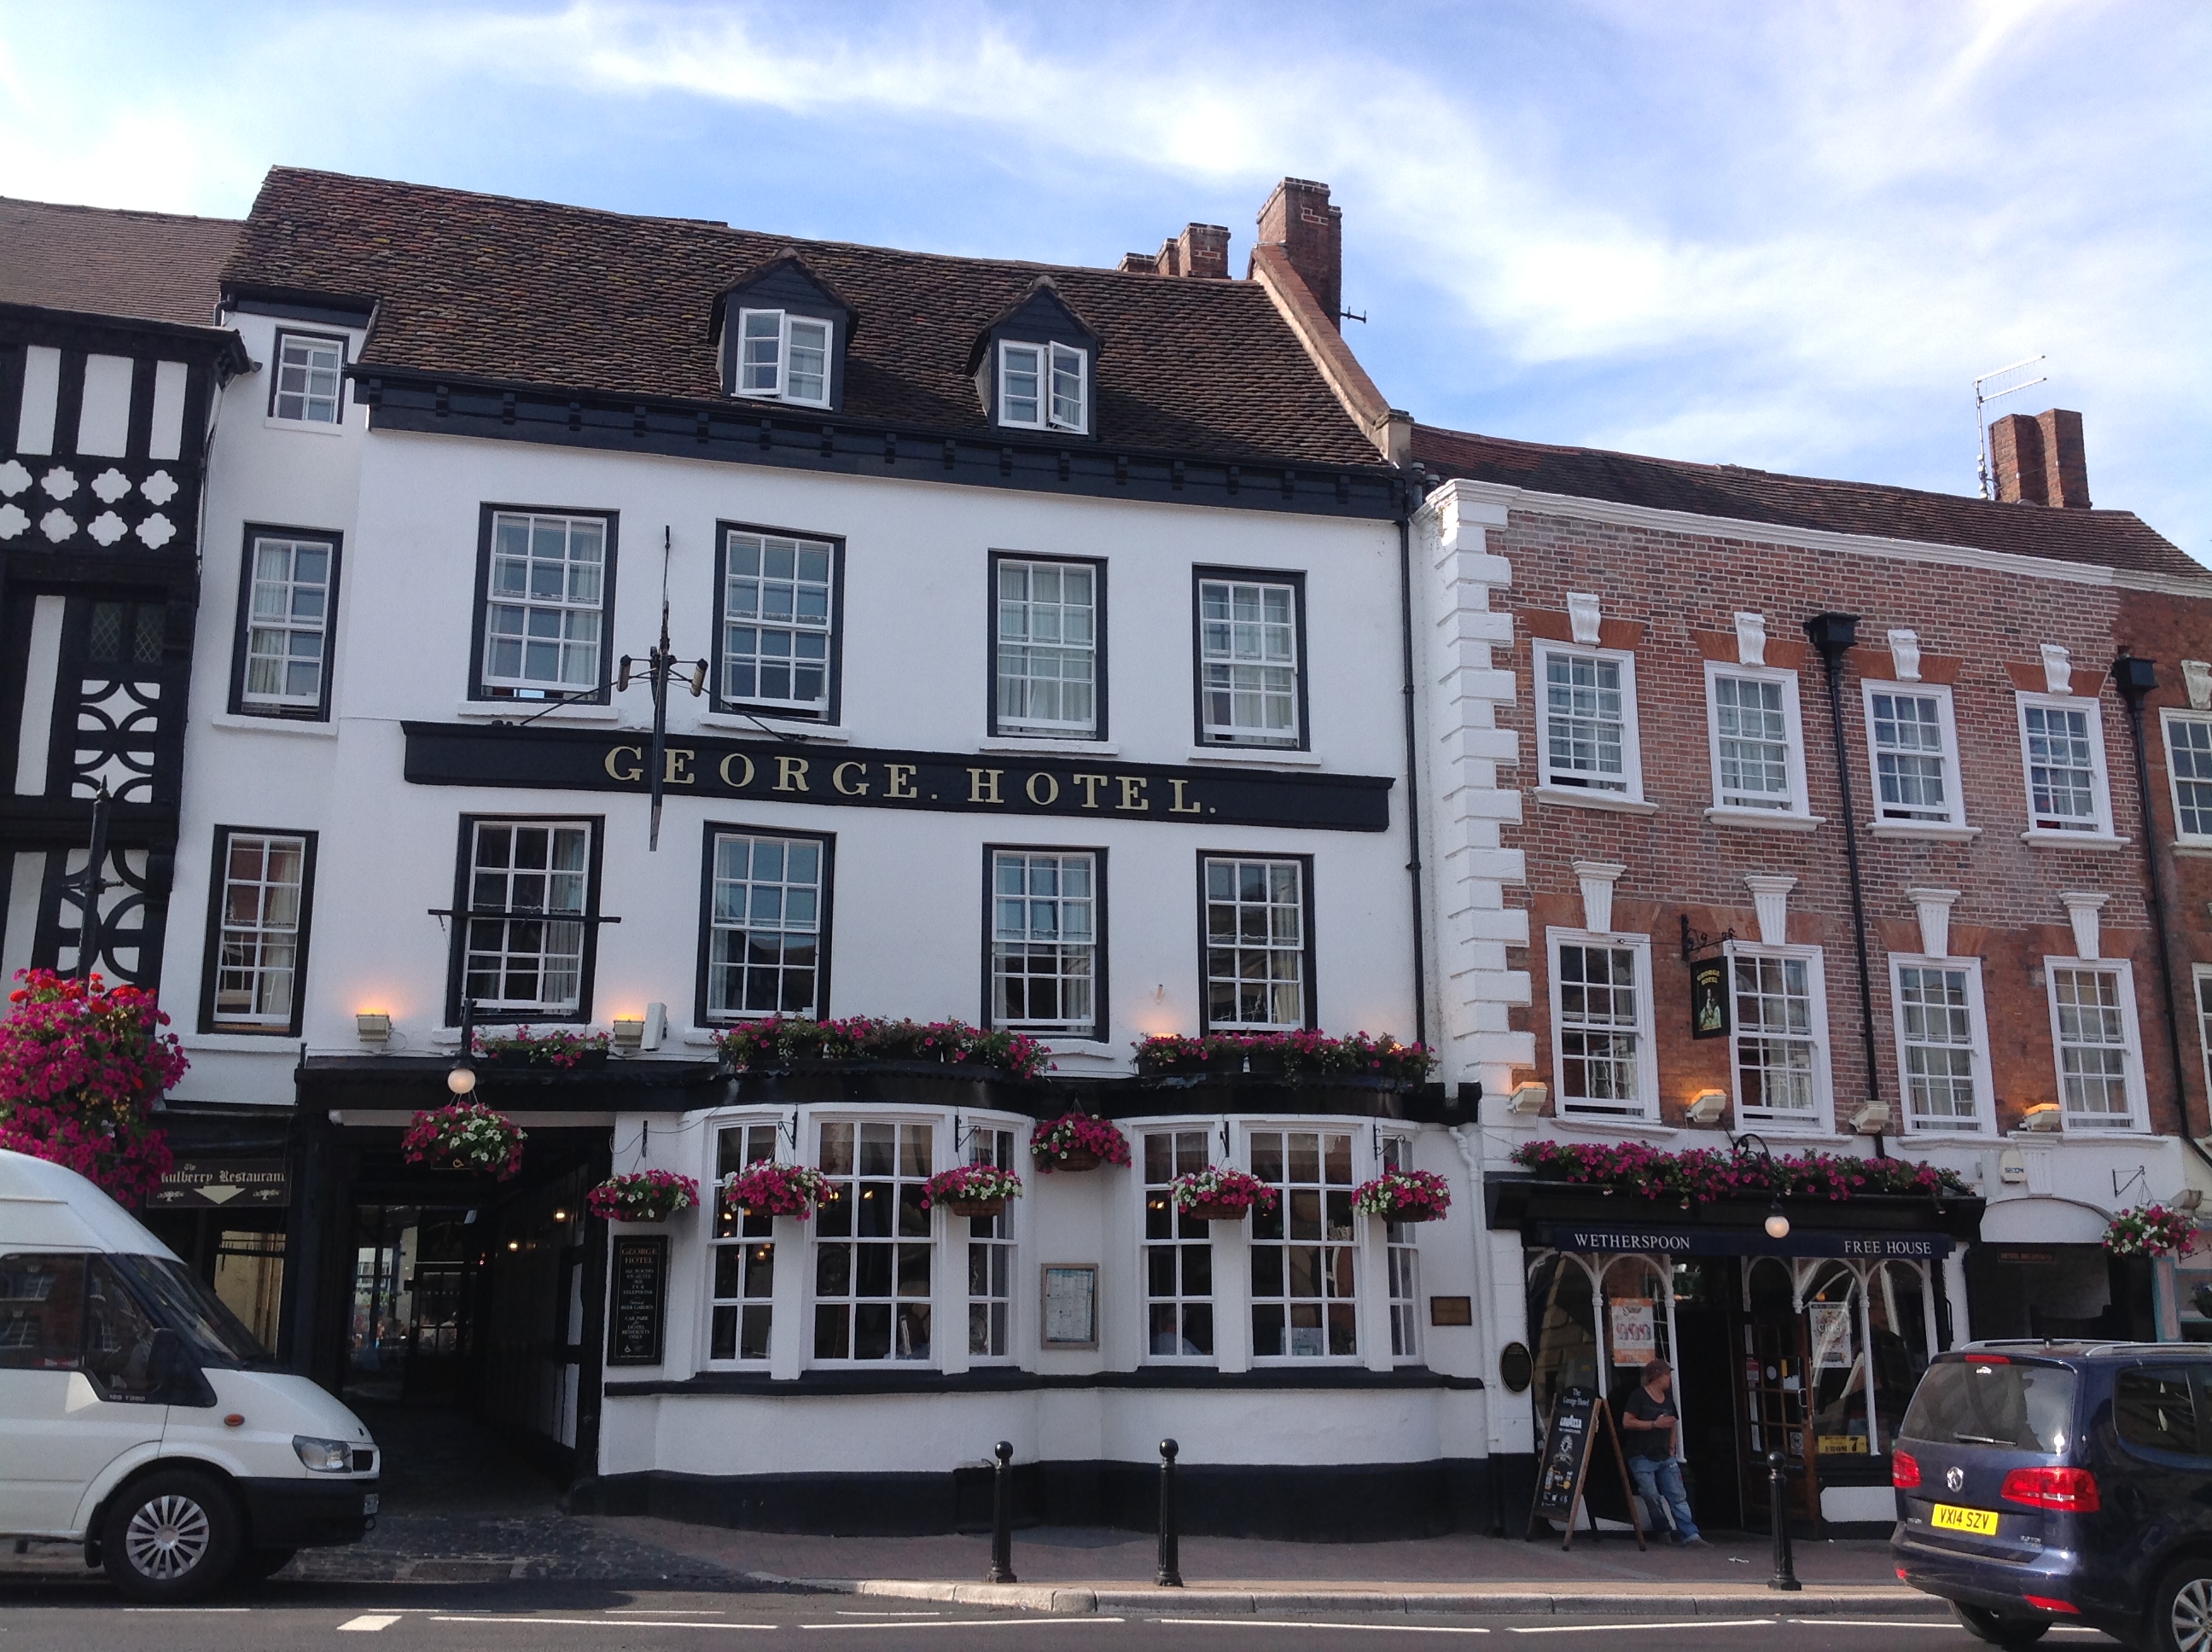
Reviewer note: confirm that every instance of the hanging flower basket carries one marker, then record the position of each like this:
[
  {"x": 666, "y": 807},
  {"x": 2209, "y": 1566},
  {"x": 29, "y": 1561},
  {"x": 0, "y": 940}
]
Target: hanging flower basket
[
  {"x": 768, "y": 1187},
  {"x": 81, "y": 1065},
  {"x": 1077, "y": 1141},
  {"x": 642, "y": 1196},
  {"x": 467, "y": 1136},
  {"x": 561, "y": 1050},
  {"x": 972, "y": 1190},
  {"x": 1219, "y": 1194},
  {"x": 2151, "y": 1231},
  {"x": 1404, "y": 1196}
]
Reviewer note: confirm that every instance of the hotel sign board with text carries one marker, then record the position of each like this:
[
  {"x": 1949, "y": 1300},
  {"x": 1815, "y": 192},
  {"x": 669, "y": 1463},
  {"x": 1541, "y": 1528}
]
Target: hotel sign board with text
[
  {"x": 837, "y": 776},
  {"x": 1659, "y": 1239}
]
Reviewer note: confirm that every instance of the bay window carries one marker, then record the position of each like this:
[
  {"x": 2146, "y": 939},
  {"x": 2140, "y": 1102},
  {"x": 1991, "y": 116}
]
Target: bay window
[
  {"x": 742, "y": 1285},
  {"x": 1304, "y": 1271},
  {"x": 1404, "y": 1258},
  {"x": 991, "y": 1258},
  {"x": 872, "y": 1249},
  {"x": 1178, "y": 1251}
]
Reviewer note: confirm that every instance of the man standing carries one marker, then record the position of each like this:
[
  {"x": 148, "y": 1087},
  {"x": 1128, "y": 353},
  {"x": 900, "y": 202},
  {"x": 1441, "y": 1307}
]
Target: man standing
[{"x": 1651, "y": 1420}]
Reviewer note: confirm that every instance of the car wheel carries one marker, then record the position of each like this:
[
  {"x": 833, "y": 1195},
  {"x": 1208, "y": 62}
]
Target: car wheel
[
  {"x": 260, "y": 1563},
  {"x": 2004, "y": 1629},
  {"x": 2181, "y": 1611},
  {"x": 172, "y": 1536}
]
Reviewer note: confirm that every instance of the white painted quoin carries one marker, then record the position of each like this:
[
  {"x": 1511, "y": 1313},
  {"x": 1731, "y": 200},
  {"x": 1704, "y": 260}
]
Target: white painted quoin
[{"x": 333, "y": 769}]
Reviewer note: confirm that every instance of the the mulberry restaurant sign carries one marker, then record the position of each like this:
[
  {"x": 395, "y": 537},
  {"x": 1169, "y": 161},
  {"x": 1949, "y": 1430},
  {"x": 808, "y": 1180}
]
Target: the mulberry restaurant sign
[{"x": 770, "y": 771}]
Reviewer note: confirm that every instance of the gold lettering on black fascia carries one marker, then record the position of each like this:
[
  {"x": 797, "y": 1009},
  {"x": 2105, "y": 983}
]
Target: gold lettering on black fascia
[
  {"x": 1043, "y": 790},
  {"x": 678, "y": 771},
  {"x": 1090, "y": 783},
  {"x": 1175, "y": 805},
  {"x": 733, "y": 781},
  {"x": 898, "y": 781},
  {"x": 837, "y": 779},
  {"x": 618, "y": 770},
  {"x": 1132, "y": 794},
  {"x": 791, "y": 774},
  {"x": 983, "y": 784}
]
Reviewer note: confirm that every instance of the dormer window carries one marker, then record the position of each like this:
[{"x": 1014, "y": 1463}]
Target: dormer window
[
  {"x": 1041, "y": 386},
  {"x": 784, "y": 357}
]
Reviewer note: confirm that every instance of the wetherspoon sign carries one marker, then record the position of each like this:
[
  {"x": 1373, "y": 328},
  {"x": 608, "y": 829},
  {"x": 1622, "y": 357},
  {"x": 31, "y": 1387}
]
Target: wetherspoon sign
[{"x": 838, "y": 776}]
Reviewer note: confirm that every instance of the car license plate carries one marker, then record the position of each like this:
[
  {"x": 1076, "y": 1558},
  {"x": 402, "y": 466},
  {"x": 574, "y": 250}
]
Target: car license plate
[
  {"x": 1983, "y": 1522},
  {"x": 372, "y": 1502}
]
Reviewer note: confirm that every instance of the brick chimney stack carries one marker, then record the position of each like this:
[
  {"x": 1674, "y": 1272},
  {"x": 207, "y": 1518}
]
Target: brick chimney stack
[
  {"x": 1202, "y": 251},
  {"x": 2040, "y": 461},
  {"x": 1299, "y": 219}
]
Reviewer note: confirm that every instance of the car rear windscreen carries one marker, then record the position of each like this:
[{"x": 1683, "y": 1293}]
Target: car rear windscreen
[{"x": 1968, "y": 1401}]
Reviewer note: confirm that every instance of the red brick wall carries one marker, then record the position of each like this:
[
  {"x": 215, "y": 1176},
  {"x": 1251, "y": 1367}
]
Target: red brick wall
[{"x": 1984, "y": 626}]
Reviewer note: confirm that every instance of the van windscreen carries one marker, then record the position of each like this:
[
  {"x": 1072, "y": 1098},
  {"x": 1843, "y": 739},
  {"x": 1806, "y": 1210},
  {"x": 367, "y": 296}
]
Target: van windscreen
[
  {"x": 2021, "y": 1407},
  {"x": 192, "y": 1310}
]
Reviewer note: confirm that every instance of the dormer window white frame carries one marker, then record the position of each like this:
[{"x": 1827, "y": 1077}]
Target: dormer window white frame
[
  {"x": 785, "y": 357},
  {"x": 1044, "y": 386}
]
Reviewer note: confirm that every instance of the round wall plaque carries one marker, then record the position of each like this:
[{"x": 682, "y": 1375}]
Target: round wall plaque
[{"x": 1515, "y": 1367}]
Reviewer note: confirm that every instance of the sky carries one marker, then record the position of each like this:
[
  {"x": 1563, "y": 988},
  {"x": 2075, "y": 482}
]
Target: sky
[{"x": 1775, "y": 233}]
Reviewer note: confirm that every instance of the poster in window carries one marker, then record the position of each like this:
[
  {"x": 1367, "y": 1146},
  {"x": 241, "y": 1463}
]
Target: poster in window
[
  {"x": 1070, "y": 1306},
  {"x": 1709, "y": 999},
  {"x": 1831, "y": 1325},
  {"x": 1635, "y": 1326}
]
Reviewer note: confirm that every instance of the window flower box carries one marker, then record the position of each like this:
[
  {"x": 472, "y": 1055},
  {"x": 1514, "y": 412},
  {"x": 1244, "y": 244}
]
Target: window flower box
[
  {"x": 1701, "y": 1175},
  {"x": 642, "y": 1196},
  {"x": 1221, "y": 1194},
  {"x": 2151, "y": 1231},
  {"x": 1404, "y": 1196},
  {"x": 769, "y": 1187},
  {"x": 468, "y": 1137},
  {"x": 1077, "y": 1141},
  {"x": 559, "y": 1049},
  {"x": 797, "y": 1041},
  {"x": 972, "y": 1190},
  {"x": 1172, "y": 1056},
  {"x": 1293, "y": 1057}
]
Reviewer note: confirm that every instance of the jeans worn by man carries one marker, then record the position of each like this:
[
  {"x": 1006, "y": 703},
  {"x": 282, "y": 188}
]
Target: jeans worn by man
[{"x": 1659, "y": 1480}]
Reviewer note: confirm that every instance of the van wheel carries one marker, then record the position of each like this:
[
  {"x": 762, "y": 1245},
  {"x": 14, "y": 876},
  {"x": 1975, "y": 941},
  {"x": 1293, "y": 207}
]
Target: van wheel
[
  {"x": 2004, "y": 1629},
  {"x": 172, "y": 1536},
  {"x": 2181, "y": 1611}
]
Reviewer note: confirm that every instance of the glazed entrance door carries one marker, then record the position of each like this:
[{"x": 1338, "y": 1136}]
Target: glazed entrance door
[{"x": 1774, "y": 1365}]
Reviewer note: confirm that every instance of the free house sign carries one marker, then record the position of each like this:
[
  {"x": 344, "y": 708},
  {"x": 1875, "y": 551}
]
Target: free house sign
[{"x": 574, "y": 760}]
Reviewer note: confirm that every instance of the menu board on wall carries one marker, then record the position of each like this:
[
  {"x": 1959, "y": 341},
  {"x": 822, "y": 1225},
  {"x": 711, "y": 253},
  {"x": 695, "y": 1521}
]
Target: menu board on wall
[{"x": 640, "y": 1269}]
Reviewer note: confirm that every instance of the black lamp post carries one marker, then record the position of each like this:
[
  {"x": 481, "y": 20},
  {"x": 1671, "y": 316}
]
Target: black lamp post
[{"x": 461, "y": 1078}]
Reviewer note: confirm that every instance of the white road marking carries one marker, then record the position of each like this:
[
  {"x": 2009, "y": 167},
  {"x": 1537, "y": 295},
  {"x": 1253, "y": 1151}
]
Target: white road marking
[
  {"x": 370, "y": 1622},
  {"x": 1878, "y": 1622},
  {"x": 1288, "y": 1622},
  {"x": 188, "y": 1608},
  {"x": 917, "y": 1613},
  {"x": 966, "y": 1623},
  {"x": 596, "y": 1622},
  {"x": 1617, "y": 1629}
]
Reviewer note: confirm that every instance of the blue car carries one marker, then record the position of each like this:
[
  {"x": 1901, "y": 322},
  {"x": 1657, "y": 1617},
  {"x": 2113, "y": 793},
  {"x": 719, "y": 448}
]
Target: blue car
[{"x": 2042, "y": 1483}]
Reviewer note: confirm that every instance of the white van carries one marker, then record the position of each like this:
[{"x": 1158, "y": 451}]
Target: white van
[{"x": 138, "y": 1417}]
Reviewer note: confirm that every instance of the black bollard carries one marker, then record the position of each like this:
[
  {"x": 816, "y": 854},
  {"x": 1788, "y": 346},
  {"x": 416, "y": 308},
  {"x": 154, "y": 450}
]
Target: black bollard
[
  {"x": 1170, "y": 1572},
  {"x": 1777, "y": 1487},
  {"x": 1002, "y": 1516}
]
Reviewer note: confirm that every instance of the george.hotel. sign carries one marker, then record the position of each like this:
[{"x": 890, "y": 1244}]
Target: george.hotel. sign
[{"x": 445, "y": 754}]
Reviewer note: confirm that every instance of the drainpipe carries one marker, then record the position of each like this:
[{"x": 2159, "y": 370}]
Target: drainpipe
[
  {"x": 1415, "y": 483},
  {"x": 2135, "y": 678},
  {"x": 1834, "y": 634}
]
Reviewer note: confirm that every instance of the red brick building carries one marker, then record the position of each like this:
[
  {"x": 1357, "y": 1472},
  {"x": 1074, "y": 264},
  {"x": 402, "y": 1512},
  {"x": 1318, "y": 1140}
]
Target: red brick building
[{"x": 1809, "y": 809}]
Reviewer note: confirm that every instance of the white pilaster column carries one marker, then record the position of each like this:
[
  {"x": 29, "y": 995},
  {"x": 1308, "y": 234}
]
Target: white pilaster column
[{"x": 790, "y": 1338}]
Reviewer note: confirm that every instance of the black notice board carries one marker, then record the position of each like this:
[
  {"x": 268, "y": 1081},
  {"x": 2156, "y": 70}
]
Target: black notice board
[
  {"x": 640, "y": 1299},
  {"x": 1566, "y": 1452}
]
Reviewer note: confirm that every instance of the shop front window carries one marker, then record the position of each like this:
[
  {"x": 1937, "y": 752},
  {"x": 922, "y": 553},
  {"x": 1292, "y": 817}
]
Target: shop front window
[
  {"x": 743, "y": 1269},
  {"x": 1562, "y": 1327},
  {"x": 1869, "y": 1338},
  {"x": 1638, "y": 1326},
  {"x": 872, "y": 1247},
  {"x": 991, "y": 1258},
  {"x": 1304, "y": 1297}
]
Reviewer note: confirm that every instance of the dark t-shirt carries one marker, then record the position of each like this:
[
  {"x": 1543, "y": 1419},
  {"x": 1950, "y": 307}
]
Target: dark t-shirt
[{"x": 1650, "y": 1442}]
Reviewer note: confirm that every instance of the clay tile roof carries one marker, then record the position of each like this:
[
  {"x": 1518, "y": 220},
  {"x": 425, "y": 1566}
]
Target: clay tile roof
[
  {"x": 2118, "y": 539},
  {"x": 153, "y": 266},
  {"x": 524, "y": 292}
]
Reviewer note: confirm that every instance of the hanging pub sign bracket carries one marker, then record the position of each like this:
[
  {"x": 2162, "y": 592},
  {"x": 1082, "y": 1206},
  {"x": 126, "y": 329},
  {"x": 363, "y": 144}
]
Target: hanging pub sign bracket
[{"x": 1695, "y": 941}]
